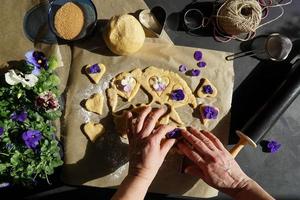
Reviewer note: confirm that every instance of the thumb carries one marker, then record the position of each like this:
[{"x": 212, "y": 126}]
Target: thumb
[{"x": 194, "y": 170}]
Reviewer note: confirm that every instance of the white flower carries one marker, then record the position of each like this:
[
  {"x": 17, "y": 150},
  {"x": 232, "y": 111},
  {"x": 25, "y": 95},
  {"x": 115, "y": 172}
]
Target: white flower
[
  {"x": 159, "y": 84},
  {"x": 13, "y": 78},
  {"x": 127, "y": 83}
]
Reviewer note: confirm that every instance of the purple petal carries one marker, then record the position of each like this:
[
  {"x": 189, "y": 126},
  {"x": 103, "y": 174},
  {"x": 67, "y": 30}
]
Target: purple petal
[
  {"x": 183, "y": 68},
  {"x": 1, "y": 131},
  {"x": 30, "y": 58},
  {"x": 195, "y": 72},
  {"x": 201, "y": 64},
  {"x": 210, "y": 112},
  {"x": 94, "y": 69},
  {"x": 36, "y": 71},
  {"x": 177, "y": 95},
  {"x": 174, "y": 133},
  {"x": 207, "y": 89},
  {"x": 198, "y": 55}
]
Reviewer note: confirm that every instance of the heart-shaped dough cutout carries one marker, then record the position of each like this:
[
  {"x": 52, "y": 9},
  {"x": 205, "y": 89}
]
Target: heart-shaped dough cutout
[
  {"x": 208, "y": 113},
  {"x": 159, "y": 84},
  {"x": 206, "y": 89},
  {"x": 95, "y": 103},
  {"x": 127, "y": 85},
  {"x": 93, "y": 130},
  {"x": 95, "y": 72}
]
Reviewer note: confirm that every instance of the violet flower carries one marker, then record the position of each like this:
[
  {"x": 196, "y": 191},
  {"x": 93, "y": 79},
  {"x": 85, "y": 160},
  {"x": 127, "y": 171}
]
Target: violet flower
[
  {"x": 177, "y": 95},
  {"x": 210, "y": 112},
  {"x": 94, "y": 69},
  {"x": 198, "y": 55},
  {"x": 47, "y": 101},
  {"x": 201, "y": 64},
  {"x": 207, "y": 89},
  {"x": 159, "y": 84},
  {"x": 195, "y": 72},
  {"x": 19, "y": 116},
  {"x": 1, "y": 131},
  {"x": 38, "y": 60},
  {"x": 176, "y": 133},
  {"x": 273, "y": 146},
  {"x": 32, "y": 138},
  {"x": 183, "y": 68}
]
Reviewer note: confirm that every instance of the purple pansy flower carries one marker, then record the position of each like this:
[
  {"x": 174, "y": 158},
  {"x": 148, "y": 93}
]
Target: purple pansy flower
[
  {"x": 201, "y": 64},
  {"x": 207, "y": 89},
  {"x": 198, "y": 55},
  {"x": 210, "y": 112},
  {"x": 183, "y": 68},
  {"x": 94, "y": 69},
  {"x": 19, "y": 116},
  {"x": 273, "y": 146},
  {"x": 47, "y": 101},
  {"x": 1, "y": 131},
  {"x": 174, "y": 133},
  {"x": 32, "y": 138},
  {"x": 177, "y": 95},
  {"x": 195, "y": 72},
  {"x": 38, "y": 60}
]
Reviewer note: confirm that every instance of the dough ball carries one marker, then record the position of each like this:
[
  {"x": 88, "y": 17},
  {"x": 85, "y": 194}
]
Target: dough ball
[{"x": 124, "y": 35}]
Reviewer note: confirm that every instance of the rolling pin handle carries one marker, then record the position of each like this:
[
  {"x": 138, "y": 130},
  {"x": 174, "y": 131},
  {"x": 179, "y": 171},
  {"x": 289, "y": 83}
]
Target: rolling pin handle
[{"x": 244, "y": 140}]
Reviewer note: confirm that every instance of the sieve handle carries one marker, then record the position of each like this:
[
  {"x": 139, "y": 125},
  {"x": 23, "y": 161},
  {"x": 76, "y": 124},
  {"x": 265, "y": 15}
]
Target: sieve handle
[{"x": 242, "y": 54}]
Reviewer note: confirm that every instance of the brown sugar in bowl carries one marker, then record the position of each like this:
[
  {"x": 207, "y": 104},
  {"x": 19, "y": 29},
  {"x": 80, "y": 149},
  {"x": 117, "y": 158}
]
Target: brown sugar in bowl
[{"x": 69, "y": 21}]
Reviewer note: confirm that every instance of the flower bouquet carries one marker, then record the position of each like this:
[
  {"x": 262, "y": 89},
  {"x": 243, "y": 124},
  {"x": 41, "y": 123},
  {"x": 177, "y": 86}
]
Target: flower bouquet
[{"x": 28, "y": 106}]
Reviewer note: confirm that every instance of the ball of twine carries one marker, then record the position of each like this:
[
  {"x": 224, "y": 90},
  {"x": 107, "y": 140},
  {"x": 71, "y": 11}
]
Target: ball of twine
[{"x": 236, "y": 17}]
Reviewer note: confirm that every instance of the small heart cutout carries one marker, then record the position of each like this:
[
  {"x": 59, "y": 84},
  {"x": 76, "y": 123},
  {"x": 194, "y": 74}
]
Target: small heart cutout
[
  {"x": 95, "y": 103},
  {"x": 206, "y": 89},
  {"x": 95, "y": 72},
  {"x": 93, "y": 130},
  {"x": 159, "y": 84},
  {"x": 127, "y": 86}
]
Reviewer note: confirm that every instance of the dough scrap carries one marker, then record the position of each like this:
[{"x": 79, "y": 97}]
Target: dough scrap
[
  {"x": 93, "y": 130},
  {"x": 95, "y": 77},
  {"x": 200, "y": 92},
  {"x": 112, "y": 98},
  {"x": 146, "y": 80},
  {"x": 95, "y": 103}
]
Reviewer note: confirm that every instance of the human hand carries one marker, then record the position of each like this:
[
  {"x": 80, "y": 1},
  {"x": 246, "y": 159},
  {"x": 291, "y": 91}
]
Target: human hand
[
  {"x": 148, "y": 146},
  {"x": 212, "y": 162}
]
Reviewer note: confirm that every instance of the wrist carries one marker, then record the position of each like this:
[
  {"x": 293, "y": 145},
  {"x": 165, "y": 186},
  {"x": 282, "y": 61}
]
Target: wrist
[{"x": 241, "y": 187}]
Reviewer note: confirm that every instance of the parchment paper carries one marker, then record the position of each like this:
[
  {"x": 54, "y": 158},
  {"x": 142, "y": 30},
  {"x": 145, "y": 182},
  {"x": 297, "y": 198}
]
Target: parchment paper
[{"x": 103, "y": 164}]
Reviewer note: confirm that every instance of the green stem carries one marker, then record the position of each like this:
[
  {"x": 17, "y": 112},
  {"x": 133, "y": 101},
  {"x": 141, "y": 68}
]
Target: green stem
[{"x": 4, "y": 154}]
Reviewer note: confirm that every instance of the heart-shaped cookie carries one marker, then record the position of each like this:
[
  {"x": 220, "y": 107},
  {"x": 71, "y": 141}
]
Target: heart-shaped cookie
[
  {"x": 95, "y": 103},
  {"x": 206, "y": 89},
  {"x": 208, "y": 113},
  {"x": 95, "y": 72},
  {"x": 93, "y": 130},
  {"x": 159, "y": 84}
]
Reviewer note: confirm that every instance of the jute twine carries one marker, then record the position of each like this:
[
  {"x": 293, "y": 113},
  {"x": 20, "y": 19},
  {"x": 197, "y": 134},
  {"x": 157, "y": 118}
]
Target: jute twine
[
  {"x": 239, "y": 19},
  {"x": 236, "y": 17}
]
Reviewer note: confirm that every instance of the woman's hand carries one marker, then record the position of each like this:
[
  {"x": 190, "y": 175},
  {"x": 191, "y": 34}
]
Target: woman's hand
[
  {"x": 212, "y": 162},
  {"x": 148, "y": 146}
]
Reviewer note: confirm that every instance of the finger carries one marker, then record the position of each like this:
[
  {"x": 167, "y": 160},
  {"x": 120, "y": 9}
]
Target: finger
[
  {"x": 191, "y": 154},
  {"x": 143, "y": 112},
  {"x": 203, "y": 138},
  {"x": 167, "y": 145},
  {"x": 194, "y": 170},
  {"x": 215, "y": 140},
  {"x": 128, "y": 119},
  {"x": 162, "y": 130},
  {"x": 196, "y": 143},
  {"x": 151, "y": 120}
]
